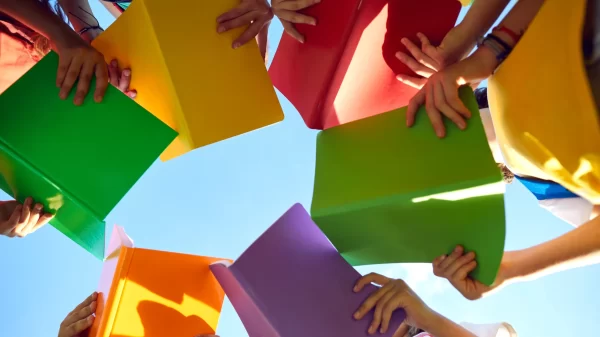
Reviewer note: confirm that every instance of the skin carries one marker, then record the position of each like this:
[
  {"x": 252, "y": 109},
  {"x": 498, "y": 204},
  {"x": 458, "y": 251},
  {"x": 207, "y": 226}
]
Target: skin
[
  {"x": 20, "y": 220},
  {"x": 80, "y": 319}
]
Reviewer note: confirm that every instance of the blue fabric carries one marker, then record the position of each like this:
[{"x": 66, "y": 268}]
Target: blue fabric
[{"x": 544, "y": 190}]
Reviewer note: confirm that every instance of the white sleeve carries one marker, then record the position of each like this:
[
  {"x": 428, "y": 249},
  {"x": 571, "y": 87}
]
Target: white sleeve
[
  {"x": 490, "y": 330},
  {"x": 575, "y": 211}
]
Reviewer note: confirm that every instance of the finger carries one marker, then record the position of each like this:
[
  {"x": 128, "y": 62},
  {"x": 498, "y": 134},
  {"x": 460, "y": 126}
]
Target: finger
[
  {"x": 456, "y": 253},
  {"x": 131, "y": 93},
  {"x": 125, "y": 80},
  {"x": 414, "y": 82},
  {"x": 12, "y": 222},
  {"x": 461, "y": 261},
  {"x": 296, "y": 5},
  {"x": 44, "y": 219},
  {"x": 230, "y": 15},
  {"x": 386, "y": 316},
  {"x": 370, "y": 278},
  {"x": 418, "y": 54},
  {"x": 78, "y": 327},
  {"x": 249, "y": 33},
  {"x": 71, "y": 77},
  {"x": 415, "y": 66},
  {"x": 236, "y": 22},
  {"x": 295, "y": 17},
  {"x": 377, "y": 315},
  {"x": 371, "y": 301},
  {"x": 454, "y": 101},
  {"x": 292, "y": 31},
  {"x": 25, "y": 211},
  {"x": 436, "y": 265},
  {"x": 424, "y": 40},
  {"x": 113, "y": 73},
  {"x": 83, "y": 86},
  {"x": 101, "y": 81},
  {"x": 413, "y": 107},
  {"x": 84, "y": 312},
  {"x": 463, "y": 272},
  {"x": 85, "y": 303},
  {"x": 434, "y": 114},
  {"x": 402, "y": 330},
  {"x": 61, "y": 74},
  {"x": 33, "y": 219},
  {"x": 442, "y": 105}
]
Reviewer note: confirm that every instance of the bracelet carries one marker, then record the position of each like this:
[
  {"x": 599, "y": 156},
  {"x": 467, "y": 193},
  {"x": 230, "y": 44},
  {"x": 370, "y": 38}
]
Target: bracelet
[
  {"x": 86, "y": 29},
  {"x": 516, "y": 37},
  {"x": 500, "y": 48}
]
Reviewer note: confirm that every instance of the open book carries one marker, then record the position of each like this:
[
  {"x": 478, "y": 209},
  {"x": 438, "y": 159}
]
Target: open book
[
  {"x": 386, "y": 193},
  {"x": 145, "y": 292},
  {"x": 78, "y": 162},
  {"x": 291, "y": 282},
  {"x": 188, "y": 75},
  {"x": 346, "y": 68}
]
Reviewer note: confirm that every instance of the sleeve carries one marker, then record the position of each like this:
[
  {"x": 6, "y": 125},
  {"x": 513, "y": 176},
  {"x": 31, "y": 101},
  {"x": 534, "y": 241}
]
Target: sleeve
[
  {"x": 575, "y": 211},
  {"x": 491, "y": 330}
]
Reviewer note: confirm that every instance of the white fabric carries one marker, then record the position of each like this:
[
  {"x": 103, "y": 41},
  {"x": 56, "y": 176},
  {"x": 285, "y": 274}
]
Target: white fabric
[
  {"x": 484, "y": 330},
  {"x": 574, "y": 211},
  {"x": 490, "y": 330}
]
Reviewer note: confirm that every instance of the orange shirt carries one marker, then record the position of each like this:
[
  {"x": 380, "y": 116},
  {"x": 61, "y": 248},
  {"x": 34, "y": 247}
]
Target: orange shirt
[{"x": 17, "y": 55}]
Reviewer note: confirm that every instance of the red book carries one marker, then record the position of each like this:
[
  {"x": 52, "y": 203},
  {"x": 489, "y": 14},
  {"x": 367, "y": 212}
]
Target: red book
[{"x": 346, "y": 69}]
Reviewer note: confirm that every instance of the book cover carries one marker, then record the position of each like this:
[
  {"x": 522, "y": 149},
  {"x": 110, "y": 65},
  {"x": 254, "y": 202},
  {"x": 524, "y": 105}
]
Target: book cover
[
  {"x": 188, "y": 75},
  {"x": 153, "y": 293},
  {"x": 78, "y": 161},
  {"x": 385, "y": 193},
  {"x": 346, "y": 68},
  {"x": 291, "y": 282}
]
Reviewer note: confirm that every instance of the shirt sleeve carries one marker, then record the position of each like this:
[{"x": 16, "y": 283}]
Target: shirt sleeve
[
  {"x": 575, "y": 211},
  {"x": 490, "y": 330}
]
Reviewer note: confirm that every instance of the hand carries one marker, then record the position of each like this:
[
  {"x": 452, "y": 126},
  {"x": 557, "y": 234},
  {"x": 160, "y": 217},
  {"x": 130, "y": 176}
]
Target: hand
[
  {"x": 121, "y": 79},
  {"x": 20, "y": 220},
  {"x": 79, "y": 60},
  {"x": 394, "y": 294},
  {"x": 286, "y": 11},
  {"x": 81, "y": 318},
  {"x": 440, "y": 93},
  {"x": 456, "y": 268},
  {"x": 91, "y": 34},
  {"x": 429, "y": 59},
  {"x": 255, "y": 13}
]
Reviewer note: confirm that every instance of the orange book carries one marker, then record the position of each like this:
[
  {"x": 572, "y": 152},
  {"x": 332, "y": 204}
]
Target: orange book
[{"x": 151, "y": 293}]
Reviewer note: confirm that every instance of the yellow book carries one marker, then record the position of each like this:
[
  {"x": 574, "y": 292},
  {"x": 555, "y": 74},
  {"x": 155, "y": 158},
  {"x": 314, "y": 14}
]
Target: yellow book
[
  {"x": 188, "y": 75},
  {"x": 542, "y": 105}
]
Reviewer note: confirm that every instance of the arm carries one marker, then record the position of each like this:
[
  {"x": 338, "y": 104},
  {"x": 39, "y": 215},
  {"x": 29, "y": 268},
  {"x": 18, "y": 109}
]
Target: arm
[
  {"x": 577, "y": 248},
  {"x": 81, "y": 16},
  {"x": 37, "y": 17},
  {"x": 262, "y": 40}
]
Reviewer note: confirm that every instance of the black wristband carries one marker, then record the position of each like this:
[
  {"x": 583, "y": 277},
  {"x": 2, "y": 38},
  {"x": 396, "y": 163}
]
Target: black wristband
[{"x": 86, "y": 29}]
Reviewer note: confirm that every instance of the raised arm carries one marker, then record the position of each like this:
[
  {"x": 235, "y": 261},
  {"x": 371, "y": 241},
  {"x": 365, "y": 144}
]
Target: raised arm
[
  {"x": 35, "y": 15},
  {"x": 82, "y": 18}
]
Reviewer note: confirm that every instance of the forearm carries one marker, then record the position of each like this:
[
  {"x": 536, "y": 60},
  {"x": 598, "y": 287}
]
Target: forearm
[
  {"x": 480, "y": 18},
  {"x": 440, "y": 326},
  {"x": 36, "y": 16},
  {"x": 579, "y": 247},
  {"x": 79, "y": 13}
]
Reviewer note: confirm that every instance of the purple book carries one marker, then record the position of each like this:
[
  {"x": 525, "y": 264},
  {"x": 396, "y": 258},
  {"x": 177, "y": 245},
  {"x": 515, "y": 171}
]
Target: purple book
[{"x": 292, "y": 282}]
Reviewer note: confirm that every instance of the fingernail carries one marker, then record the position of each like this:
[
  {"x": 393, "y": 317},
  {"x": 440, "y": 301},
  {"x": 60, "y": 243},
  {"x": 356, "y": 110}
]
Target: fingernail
[
  {"x": 63, "y": 95},
  {"x": 381, "y": 330},
  {"x": 98, "y": 98},
  {"x": 356, "y": 315},
  {"x": 90, "y": 318},
  {"x": 444, "y": 257},
  {"x": 78, "y": 100},
  {"x": 439, "y": 133},
  {"x": 236, "y": 45},
  {"x": 28, "y": 201},
  {"x": 457, "y": 249},
  {"x": 220, "y": 29},
  {"x": 462, "y": 126},
  {"x": 403, "y": 40},
  {"x": 127, "y": 72},
  {"x": 371, "y": 330},
  {"x": 38, "y": 207},
  {"x": 132, "y": 94},
  {"x": 113, "y": 63},
  {"x": 313, "y": 22}
]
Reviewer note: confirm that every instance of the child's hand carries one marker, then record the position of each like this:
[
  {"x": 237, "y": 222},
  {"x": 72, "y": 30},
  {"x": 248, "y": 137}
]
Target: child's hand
[
  {"x": 255, "y": 13},
  {"x": 456, "y": 268},
  {"x": 286, "y": 11},
  {"x": 121, "y": 79},
  {"x": 78, "y": 60},
  {"x": 393, "y": 294},
  {"x": 81, "y": 318},
  {"x": 20, "y": 220}
]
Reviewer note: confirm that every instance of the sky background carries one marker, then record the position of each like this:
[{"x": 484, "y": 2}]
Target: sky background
[{"x": 218, "y": 199}]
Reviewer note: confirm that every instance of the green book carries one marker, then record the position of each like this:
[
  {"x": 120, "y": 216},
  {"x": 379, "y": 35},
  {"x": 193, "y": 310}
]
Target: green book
[
  {"x": 381, "y": 191},
  {"x": 78, "y": 161}
]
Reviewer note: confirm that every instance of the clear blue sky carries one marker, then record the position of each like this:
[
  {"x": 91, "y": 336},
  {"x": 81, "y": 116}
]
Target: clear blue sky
[{"x": 218, "y": 199}]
